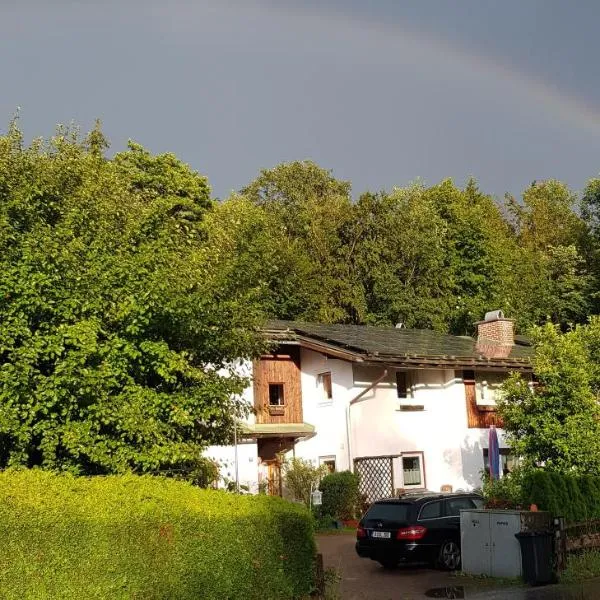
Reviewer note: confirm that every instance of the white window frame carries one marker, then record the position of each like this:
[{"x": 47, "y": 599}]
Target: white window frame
[
  {"x": 329, "y": 458},
  {"x": 485, "y": 392},
  {"x": 281, "y": 397},
  {"x": 423, "y": 483},
  {"x": 322, "y": 397}
]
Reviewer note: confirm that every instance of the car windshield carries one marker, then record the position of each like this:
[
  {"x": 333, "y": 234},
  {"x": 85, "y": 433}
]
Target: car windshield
[{"x": 388, "y": 512}]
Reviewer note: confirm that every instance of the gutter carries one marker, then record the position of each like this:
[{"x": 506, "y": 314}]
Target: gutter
[{"x": 348, "y": 421}]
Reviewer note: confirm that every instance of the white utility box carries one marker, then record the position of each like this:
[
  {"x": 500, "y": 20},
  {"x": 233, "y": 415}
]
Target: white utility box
[{"x": 488, "y": 543}]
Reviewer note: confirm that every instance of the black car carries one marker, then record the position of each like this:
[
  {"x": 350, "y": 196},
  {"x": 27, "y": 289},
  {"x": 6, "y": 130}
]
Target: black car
[{"x": 415, "y": 528}]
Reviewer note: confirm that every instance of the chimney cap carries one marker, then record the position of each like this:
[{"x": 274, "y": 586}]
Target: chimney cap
[{"x": 493, "y": 315}]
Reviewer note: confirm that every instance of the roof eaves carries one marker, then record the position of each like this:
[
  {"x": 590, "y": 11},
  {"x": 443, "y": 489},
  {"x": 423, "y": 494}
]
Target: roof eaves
[{"x": 449, "y": 362}]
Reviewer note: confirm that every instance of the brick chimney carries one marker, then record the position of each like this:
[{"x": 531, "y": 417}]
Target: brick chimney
[{"x": 495, "y": 335}]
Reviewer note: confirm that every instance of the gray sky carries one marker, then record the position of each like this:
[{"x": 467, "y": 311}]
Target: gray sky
[{"x": 382, "y": 92}]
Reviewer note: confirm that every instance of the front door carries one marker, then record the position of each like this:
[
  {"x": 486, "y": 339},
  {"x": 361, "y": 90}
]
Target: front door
[{"x": 274, "y": 478}]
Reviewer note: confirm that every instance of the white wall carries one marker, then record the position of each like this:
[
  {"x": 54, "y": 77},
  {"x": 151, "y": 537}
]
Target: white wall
[
  {"x": 329, "y": 418},
  {"x": 247, "y": 452},
  {"x": 453, "y": 453},
  {"x": 247, "y": 464}
]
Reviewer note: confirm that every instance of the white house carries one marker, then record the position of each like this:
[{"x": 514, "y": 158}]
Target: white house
[{"x": 406, "y": 408}]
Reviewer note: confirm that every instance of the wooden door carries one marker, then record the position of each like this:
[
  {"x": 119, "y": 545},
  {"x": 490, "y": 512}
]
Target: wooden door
[{"x": 274, "y": 478}]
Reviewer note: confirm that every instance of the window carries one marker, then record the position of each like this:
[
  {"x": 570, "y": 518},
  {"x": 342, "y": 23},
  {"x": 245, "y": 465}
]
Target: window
[
  {"x": 431, "y": 510},
  {"x": 507, "y": 460},
  {"x": 329, "y": 462},
  {"x": 402, "y": 384},
  {"x": 388, "y": 511},
  {"x": 405, "y": 391},
  {"x": 478, "y": 502},
  {"x": 487, "y": 386},
  {"x": 324, "y": 383},
  {"x": 276, "y": 397},
  {"x": 412, "y": 471},
  {"x": 455, "y": 505}
]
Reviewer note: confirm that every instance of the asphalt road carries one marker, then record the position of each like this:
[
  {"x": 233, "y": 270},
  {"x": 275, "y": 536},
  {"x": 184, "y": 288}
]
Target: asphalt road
[{"x": 363, "y": 579}]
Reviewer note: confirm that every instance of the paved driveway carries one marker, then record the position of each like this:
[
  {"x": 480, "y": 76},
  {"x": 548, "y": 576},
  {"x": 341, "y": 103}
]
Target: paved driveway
[{"x": 364, "y": 579}]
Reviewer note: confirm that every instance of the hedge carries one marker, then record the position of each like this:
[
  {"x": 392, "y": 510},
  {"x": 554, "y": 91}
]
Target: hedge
[
  {"x": 577, "y": 498},
  {"x": 340, "y": 495},
  {"x": 147, "y": 538}
]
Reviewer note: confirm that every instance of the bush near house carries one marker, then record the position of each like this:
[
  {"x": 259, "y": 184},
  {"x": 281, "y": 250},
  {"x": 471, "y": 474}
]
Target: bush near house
[
  {"x": 125, "y": 537},
  {"x": 340, "y": 495},
  {"x": 301, "y": 477},
  {"x": 504, "y": 493},
  {"x": 577, "y": 498}
]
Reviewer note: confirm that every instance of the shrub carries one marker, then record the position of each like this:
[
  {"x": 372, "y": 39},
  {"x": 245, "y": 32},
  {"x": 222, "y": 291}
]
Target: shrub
[
  {"x": 321, "y": 520},
  {"x": 581, "y": 566},
  {"x": 301, "y": 477},
  {"x": 126, "y": 537},
  {"x": 201, "y": 471},
  {"x": 503, "y": 493},
  {"x": 340, "y": 495},
  {"x": 576, "y": 498}
]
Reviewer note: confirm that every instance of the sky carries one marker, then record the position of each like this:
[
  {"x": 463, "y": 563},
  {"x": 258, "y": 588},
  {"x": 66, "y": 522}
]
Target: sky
[{"x": 381, "y": 92}]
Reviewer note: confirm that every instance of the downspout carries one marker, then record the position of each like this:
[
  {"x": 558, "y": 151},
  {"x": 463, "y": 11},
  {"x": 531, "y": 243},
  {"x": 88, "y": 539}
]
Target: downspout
[{"x": 348, "y": 422}]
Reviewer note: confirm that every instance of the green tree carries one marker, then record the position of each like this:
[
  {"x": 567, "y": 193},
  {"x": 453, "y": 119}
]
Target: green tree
[
  {"x": 554, "y": 274},
  {"x": 481, "y": 251},
  {"x": 117, "y": 343},
  {"x": 317, "y": 230},
  {"x": 401, "y": 259},
  {"x": 557, "y": 424}
]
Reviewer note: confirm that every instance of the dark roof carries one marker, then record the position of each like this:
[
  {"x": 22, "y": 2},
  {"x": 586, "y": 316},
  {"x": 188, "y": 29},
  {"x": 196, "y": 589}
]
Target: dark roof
[{"x": 377, "y": 344}]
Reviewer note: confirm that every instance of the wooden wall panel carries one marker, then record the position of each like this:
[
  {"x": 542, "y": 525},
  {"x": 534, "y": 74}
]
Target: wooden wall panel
[
  {"x": 280, "y": 367},
  {"x": 477, "y": 418}
]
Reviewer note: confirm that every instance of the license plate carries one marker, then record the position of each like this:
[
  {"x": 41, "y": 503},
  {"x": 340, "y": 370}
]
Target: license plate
[{"x": 381, "y": 534}]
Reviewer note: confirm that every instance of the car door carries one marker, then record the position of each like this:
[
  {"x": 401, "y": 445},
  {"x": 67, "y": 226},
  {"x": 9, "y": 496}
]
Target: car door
[
  {"x": 431, "y": 516},
  {"x": 453, "y": 506}
]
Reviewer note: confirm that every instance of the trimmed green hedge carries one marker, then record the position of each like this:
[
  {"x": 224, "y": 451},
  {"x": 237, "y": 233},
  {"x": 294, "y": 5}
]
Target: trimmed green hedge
[
  {"x": 576, "y": 498},
  {"x": 147, "y": 538},
  {"x": 340, "y": 495}
]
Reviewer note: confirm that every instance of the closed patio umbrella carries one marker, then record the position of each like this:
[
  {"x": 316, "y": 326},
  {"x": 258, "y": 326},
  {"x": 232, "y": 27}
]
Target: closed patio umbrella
[{"x": 494, "y": 453}]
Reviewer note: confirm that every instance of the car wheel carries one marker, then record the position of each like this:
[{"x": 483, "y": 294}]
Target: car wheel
[
  {"x": 449, "y": 557},
  {"x": 388, "y": 564}
]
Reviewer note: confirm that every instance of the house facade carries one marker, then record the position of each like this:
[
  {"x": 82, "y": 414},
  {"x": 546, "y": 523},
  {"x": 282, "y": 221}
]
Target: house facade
[{"x": 407, "y": 409}]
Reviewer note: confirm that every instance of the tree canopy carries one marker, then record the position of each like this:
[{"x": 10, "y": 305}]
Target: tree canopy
[
  {"x": 435, "y": 257},
  {"x": 128, "y": 295},
  {"x": 557, "y": 424},
  {"x": 118, "y": 326}
]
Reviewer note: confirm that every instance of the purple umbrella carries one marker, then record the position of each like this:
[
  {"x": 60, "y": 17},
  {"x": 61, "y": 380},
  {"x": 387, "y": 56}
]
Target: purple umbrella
[{"x": 494, "y": 453}]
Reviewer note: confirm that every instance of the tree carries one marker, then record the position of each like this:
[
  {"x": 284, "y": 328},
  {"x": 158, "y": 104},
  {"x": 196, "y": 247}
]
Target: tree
[
  {"x": 557, "y": 424},
  {"x": 554, "y": 275},
  {"x": 401, "y": 259},
  {"x": 546, "y": 217},
  {"x": 315, "y": 217},
  {"x": 258, "y": 254},
  {"x": 117, "y": 343}
]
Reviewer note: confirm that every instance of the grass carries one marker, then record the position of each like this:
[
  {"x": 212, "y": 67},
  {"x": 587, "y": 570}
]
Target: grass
[
  {"x": 342, "y": 531},
  {"x": 581, "y": 566}
]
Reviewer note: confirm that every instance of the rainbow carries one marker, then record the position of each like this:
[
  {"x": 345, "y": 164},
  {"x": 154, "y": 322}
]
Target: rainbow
[{"x": 522, "y": 88}]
